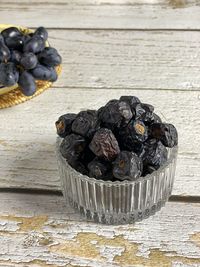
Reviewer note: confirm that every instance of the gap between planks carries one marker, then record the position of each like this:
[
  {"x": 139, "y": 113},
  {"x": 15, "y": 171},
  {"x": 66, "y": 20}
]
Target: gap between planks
[
  {"x": 173, "y": 198},
  {"x": 118, "y": 29},
  {"x": 127, "y": 88}
]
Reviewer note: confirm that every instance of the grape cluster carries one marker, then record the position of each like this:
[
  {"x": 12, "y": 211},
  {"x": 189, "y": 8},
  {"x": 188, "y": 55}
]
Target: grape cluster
[
  {"x": 123, "y": 140},
  {"x": 24, "y": 58}
]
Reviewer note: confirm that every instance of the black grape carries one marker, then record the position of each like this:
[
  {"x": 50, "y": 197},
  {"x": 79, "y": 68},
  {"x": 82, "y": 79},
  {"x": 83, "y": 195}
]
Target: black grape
[
  {"x": 8, "y": 74},
  {"x": 54, "y": 75},
  {"x": 15, "y": 56},
  {"x": 1, "y": 38},
  {"x": 4, "y": 53},
  {"x": 35, "y": 45},
  {"x": 16, "y": 42},
  {"x": 49, "y": 57},
  {"x": 42, "y": 32},
  {"x": 4, "y": 50},
  {"x": 27, "y": 83},
  {"x": 11, "y": 32},
  {"x": 43, "y": 73},
  {"x": 29, "y": 61}
]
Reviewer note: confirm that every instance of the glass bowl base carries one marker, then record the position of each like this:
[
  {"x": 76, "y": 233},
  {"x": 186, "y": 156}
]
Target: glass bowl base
[{"x": 117, "y": 218}]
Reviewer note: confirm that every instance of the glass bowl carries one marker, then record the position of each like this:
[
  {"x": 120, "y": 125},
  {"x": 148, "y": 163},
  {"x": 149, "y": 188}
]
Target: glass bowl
[{"x": 117, "y": 202}]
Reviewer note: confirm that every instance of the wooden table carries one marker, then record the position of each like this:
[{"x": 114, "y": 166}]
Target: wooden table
[{"x": 148, "y": 48}]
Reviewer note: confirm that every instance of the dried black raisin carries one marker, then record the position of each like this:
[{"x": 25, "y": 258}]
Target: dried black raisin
[
  {"x": 127, "y": 166},
  {"x": 104, "y": 144}
]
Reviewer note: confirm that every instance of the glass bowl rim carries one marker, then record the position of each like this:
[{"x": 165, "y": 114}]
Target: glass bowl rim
[{"x": 88, "y": 179}]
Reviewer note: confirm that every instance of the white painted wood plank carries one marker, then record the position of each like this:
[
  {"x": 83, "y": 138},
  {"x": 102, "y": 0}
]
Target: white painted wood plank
[
  {"x": 159, "y": 14},
  {"x": 27, "y": 134},
  {"x": 129, "y": 59},
  {"x": 38, "y": 230}
]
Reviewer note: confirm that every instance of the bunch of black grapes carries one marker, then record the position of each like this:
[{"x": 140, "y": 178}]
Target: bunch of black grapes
[{"x": 24, "y": 58}]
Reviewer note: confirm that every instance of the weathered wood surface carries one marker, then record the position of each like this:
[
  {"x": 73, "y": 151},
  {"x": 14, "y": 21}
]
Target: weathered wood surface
[
  {"x": 39, "y": 230},
  {"x": 131, "y": 14},
  {"x": 102, "y": 59},
  {"x": 129, "y": 59},
  {"x": 27, "y": 134}
]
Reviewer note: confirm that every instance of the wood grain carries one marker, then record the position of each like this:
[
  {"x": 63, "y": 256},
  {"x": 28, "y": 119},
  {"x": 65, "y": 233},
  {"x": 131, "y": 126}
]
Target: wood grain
[
  {"x": 98, "y": 14},
  {"x": 129, "y": 59},
  {"x": 27, "y": 134},
  {"x": 38, "y": 230}
]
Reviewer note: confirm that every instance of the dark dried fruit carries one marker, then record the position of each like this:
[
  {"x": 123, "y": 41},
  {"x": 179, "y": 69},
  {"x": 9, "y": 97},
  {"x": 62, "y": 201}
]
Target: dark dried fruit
[
  {"x": 155, "y": 154},
  {"x": 98, "y": 168},
  {"x": 131, "y": 100},
  {"x": 87, "y": 156},
  {"x": 79, "y": 167},
  {"x": 72, "y": 147},
  {"x": 64, "y": 124},
  {"x": 148, "y": 169},
  {"x": 133, "y": 136},
  {"x": 155, "y": 119},
  {"x": 127, "y": 166},
  {"x": 104, "y": 144},
  {"x": 121, "y": 141},
  {"x": 143, "y": 112},
  {"x": 164, "y": 132},
  {"x": 115, "y": 114},
  {"x": 86, "y": 123}
]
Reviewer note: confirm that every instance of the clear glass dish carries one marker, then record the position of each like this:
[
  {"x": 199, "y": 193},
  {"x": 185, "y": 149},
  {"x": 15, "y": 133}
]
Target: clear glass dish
[{"x": 117, "y": 202}]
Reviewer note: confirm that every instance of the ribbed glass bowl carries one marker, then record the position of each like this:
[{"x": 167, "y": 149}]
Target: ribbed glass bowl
[{"x": 117, "y": 202}]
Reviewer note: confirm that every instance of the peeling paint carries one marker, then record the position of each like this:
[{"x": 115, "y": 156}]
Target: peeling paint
[
  {"x": 45, "y": 241},
  {"x": 4, "y": 143},
  {"x": 27, "y": 223},
  {"x": 177, "y": 3},
  {"x": 196, "y": 239},
  {"x": 33, "y": 263},
  {"x": 82, "y": 247}
]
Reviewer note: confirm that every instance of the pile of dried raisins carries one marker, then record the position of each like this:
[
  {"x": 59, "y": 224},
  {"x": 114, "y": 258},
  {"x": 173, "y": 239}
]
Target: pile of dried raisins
[{"x": 123, "y": 140}]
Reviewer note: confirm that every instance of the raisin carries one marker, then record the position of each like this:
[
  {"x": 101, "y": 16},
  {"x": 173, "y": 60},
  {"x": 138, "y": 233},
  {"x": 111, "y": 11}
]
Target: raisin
[
  {"x": 64, "y": 124},
  {"x": 148, "y": 169},
  {"x": 114, "y": 114},
  {"x": 87, "y": 156},
  {"x": 78, "y": 166},
  {"x": 164, "y": 132},
  {"x": 155, "y": 154},
  {"x": 86, "y": 123},
  {"x": 131, "y": 100},
  {"x": 104, "y": 144},
  {"x": 155, "y": 119},
  {"x": 72, "y": 147},
  {"x": 143, "y": 112},
  {"x": 127, "y": 166},
  {"x": 99, "y": 169},
  {"x": 133, "y": 135}
]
